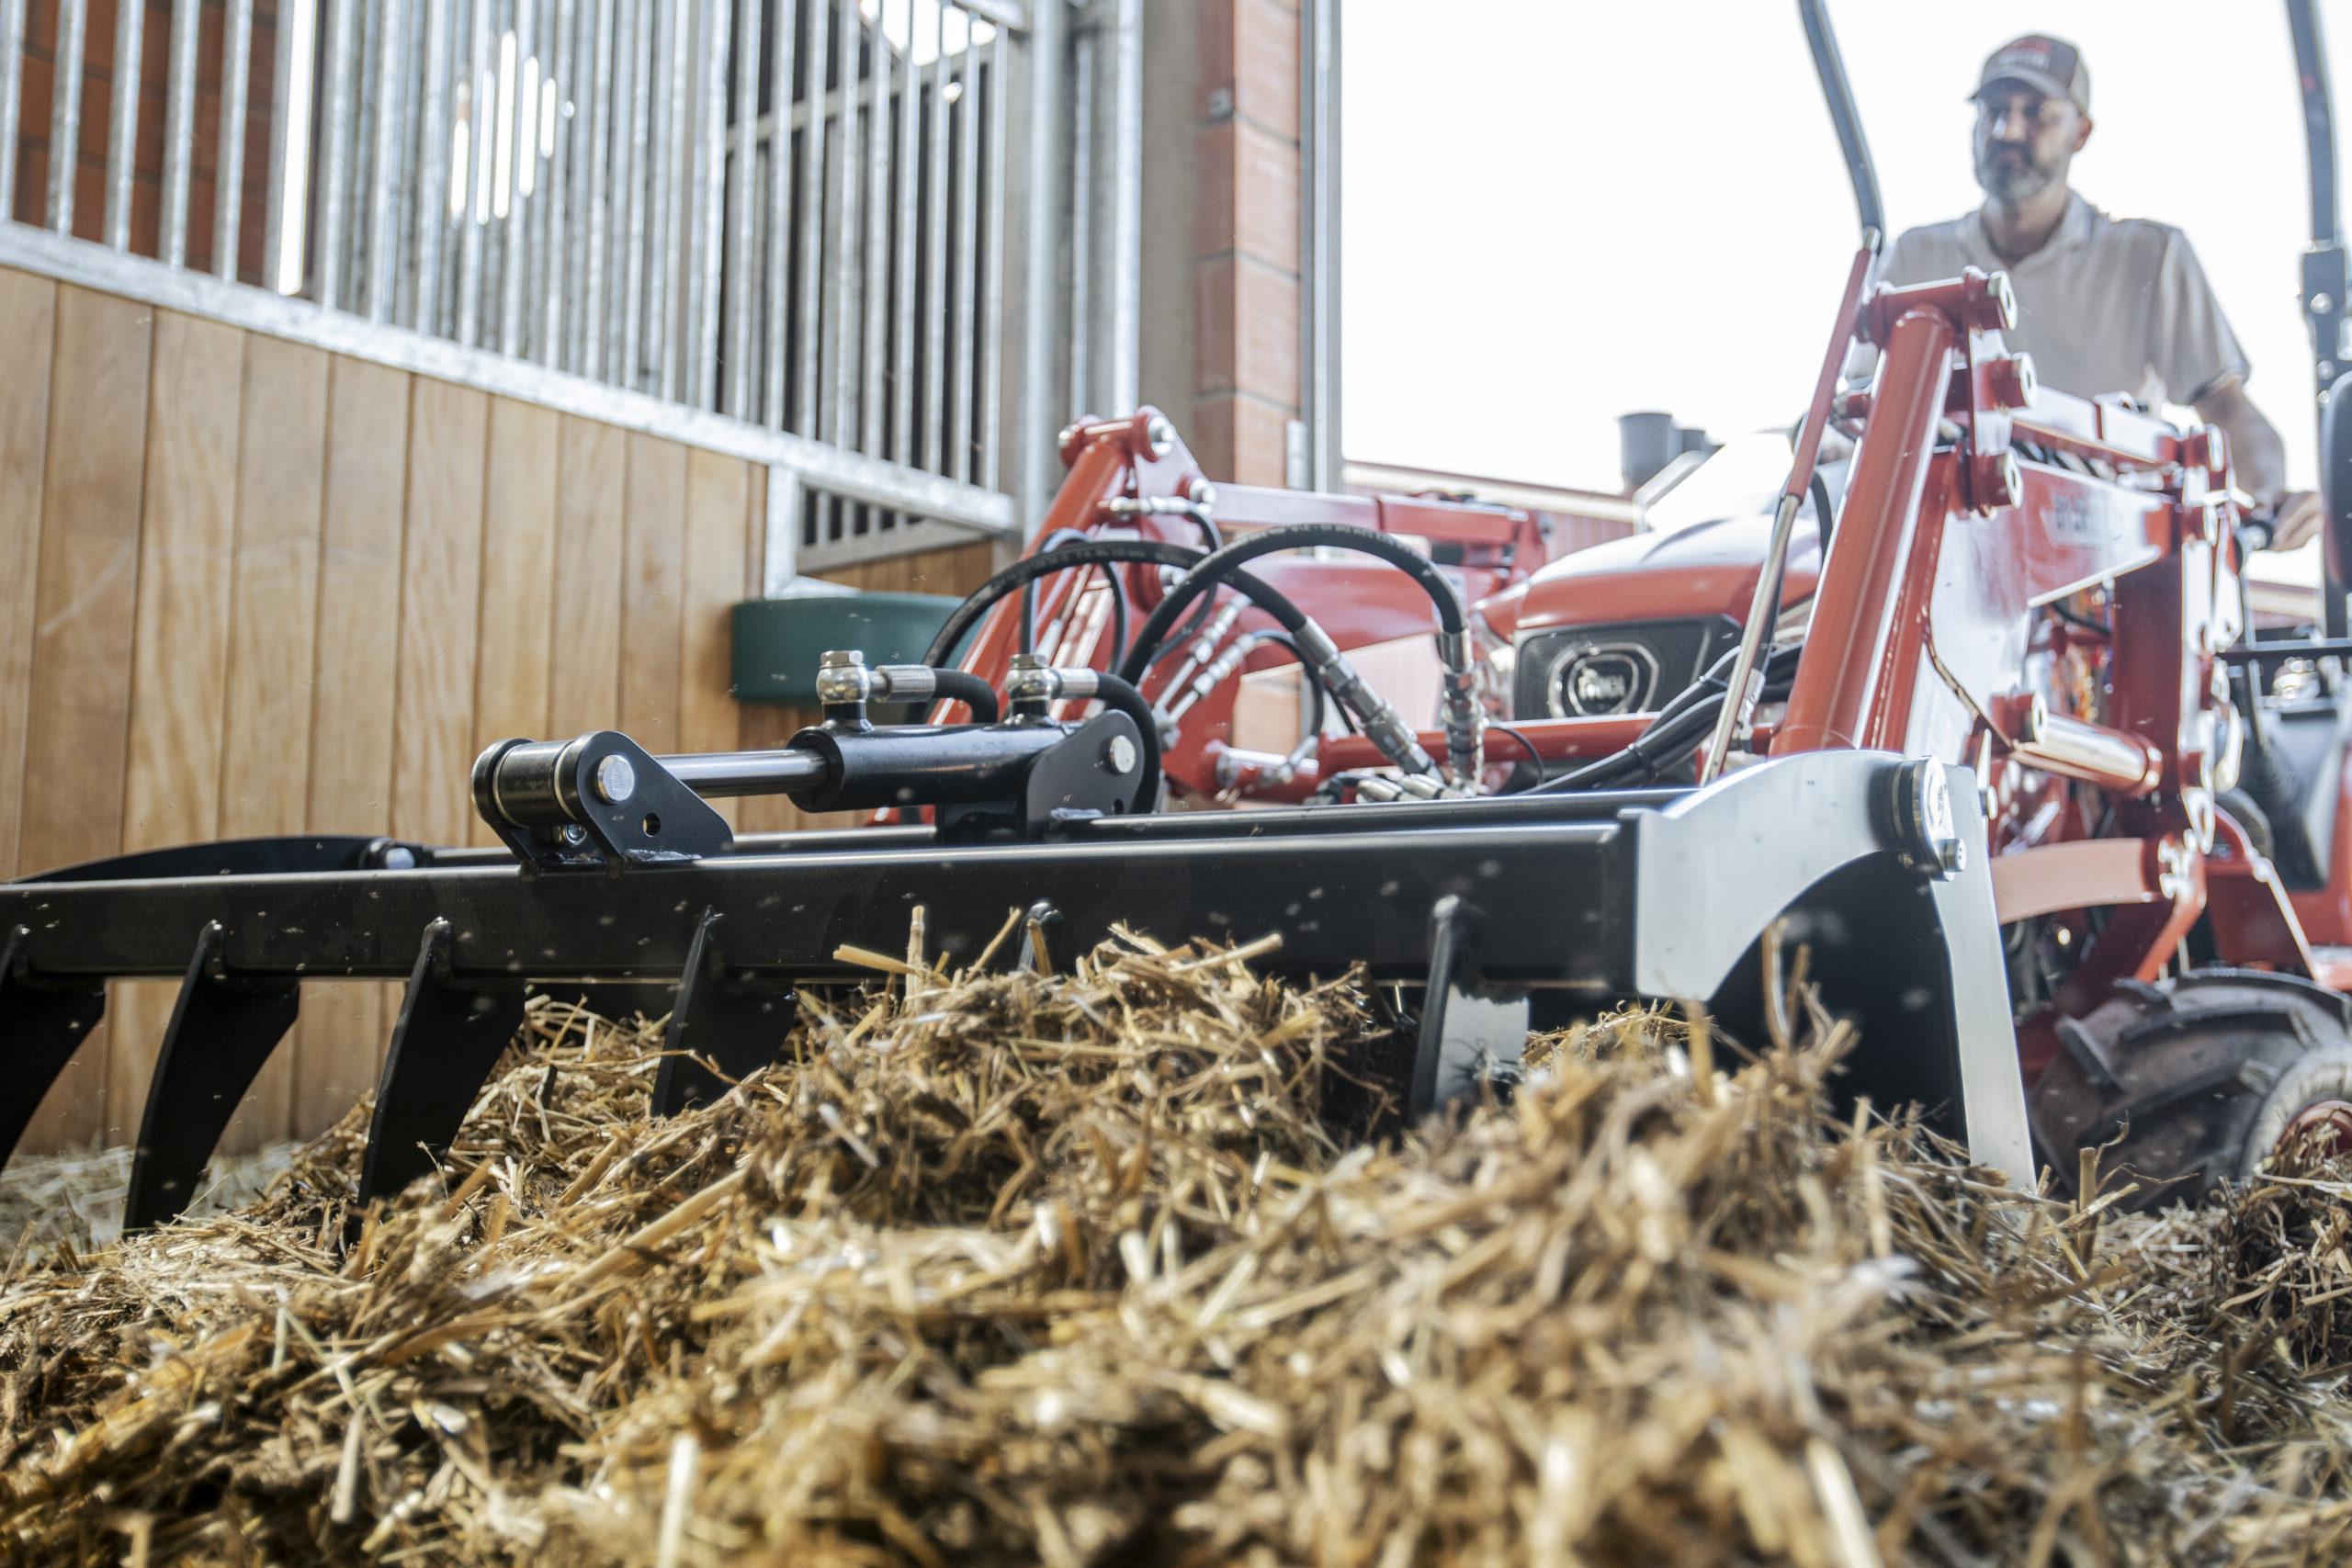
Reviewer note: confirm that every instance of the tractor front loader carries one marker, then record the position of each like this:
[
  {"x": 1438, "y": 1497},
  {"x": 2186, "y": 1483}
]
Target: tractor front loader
[{"x": 1972, "y": 721}]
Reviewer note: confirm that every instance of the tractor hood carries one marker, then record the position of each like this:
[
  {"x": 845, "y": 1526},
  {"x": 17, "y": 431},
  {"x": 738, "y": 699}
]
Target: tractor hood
[
  {"x": 1697, "y": 558},
  {"x": 1704, "y": 570},
  {"x": 1621, "y": 627}
]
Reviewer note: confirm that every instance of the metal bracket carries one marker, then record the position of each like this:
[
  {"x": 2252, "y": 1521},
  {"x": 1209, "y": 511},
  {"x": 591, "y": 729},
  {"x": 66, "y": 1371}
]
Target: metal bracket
[
  {"x": 623, "y": 807},
  {"x": 448, "y": 1039},
  {"x": 1075, "y": 780},
  {"x": 1466, "y": 1038},
  {"x": 223, "y": 1029},
  {"x": 41, "y": 1028},
  {"x": 1080, "y": 777},
  {"x": 718, "y": 1030}
]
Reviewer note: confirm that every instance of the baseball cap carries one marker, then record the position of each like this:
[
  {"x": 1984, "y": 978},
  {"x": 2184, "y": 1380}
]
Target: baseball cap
[{"x": 2051, "y": 66}]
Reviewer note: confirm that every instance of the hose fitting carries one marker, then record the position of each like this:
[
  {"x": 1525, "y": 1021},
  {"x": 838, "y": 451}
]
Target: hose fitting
[
  {"x": 1464, "y": 717},
  {"x": 1381, "y": 723}
]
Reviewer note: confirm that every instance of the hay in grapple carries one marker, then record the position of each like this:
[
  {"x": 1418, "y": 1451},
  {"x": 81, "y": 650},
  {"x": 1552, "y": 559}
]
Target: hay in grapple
[{"x": 1067, "y": 1268}]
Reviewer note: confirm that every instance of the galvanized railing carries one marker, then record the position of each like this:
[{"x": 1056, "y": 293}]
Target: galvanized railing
[{"x": 792, "y": 214}]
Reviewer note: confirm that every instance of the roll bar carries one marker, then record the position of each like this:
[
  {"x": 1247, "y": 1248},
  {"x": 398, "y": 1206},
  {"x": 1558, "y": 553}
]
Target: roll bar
[
  {"x": 1838, "y": 94},
  {"x": 2326, "y": 279}
]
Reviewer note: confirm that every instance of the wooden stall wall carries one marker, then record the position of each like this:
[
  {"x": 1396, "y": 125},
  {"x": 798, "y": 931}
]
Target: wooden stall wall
[{"x": 250, "y": 587}]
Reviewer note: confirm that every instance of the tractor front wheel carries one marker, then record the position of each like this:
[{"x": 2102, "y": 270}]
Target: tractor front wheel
[{"x": 2196, "y": 1081}]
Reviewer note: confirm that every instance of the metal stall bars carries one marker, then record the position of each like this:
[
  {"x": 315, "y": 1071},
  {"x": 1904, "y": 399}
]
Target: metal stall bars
[{"x": 783, "y": 227}]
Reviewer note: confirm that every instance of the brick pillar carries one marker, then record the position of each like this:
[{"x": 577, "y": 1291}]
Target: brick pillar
[{"x": 1245, "y": 240}]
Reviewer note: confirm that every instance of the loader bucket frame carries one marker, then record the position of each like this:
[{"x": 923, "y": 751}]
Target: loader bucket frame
[{"x": 1570, "y": 902}]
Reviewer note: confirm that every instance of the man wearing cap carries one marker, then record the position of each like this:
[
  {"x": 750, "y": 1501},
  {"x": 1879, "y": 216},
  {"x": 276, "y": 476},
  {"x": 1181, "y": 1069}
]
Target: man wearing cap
[{"x": 2104, "y": 304}]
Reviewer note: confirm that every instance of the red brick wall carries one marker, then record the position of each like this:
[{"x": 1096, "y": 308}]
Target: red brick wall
[
  {"x": 99, "y": 77},
  {"x": 1246, "y": 238}
]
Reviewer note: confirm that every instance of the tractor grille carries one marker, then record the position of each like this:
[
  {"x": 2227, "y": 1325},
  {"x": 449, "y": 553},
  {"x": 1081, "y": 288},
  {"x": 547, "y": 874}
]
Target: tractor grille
[{"x": 1631, "y": 667}]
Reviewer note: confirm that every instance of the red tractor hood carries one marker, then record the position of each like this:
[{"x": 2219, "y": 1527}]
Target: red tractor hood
[{"x": 1707, "y": 568}]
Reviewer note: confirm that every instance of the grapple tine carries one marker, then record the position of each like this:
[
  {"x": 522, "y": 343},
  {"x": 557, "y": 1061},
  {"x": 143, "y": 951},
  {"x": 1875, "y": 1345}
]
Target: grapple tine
[
  {"x": 738, "y": 1029},
  {"x": 447, "y": 1040},
  {"x": 41, "y": 1028},
  {"x": 223, "y": 1029},
  {"x": 1465, "y": 1036}
]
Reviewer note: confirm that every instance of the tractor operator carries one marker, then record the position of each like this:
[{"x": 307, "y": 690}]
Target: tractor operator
[{"x": 2104, "y": 304}]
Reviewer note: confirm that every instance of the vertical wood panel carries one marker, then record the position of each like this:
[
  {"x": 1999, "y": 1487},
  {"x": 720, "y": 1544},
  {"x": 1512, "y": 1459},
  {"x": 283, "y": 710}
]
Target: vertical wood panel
[
  {"x": 653, "y": 627},
  {"x": 440, "y": 605},
  {"x": 584, "y": 690},
  {"x": 85, "y": 608},
  {"x": 760, "y": 726},
  {"x": 718, "y": 514},
  {"x": 180, "y": 650},
  {"x": 265, "y": 739},
  {"x": 344, "y": 1022},
  {"x": 511, "y": 687},
  {"x": 27, "y": 331}
]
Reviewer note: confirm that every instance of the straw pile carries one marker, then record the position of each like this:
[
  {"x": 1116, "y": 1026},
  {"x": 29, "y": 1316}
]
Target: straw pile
[{"x": 1067, "y": 1269}]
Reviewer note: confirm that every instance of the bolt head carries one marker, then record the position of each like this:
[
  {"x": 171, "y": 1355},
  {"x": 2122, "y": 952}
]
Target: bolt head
[
  {"x": 1928, "y": 831},
  {"x": 1120, "y": 755},
  {"x": 1201, "y": 492},
  {"x": 2005, "y": 300},
  {"x": 616, "y": 779},
  {"x": 841, "y": 658},
  {"x": 1159, "y": 435}
]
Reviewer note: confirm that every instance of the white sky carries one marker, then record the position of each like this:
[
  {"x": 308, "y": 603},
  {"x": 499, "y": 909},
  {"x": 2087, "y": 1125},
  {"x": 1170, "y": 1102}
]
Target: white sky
[{"x": 1558, "y": 210}]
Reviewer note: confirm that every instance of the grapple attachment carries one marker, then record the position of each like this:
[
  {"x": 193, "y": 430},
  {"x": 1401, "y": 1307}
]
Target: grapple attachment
[{"x": 1489, "y": 916}]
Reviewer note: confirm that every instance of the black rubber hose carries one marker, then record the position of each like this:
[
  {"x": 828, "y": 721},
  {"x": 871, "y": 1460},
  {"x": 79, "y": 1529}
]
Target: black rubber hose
[
  {"x": 1315, "y": 689},
  {"x": 954, "y": 685},
  {"x": 1052, "y": 541},
  {"x": 1822, "y": 522},
  {"x": 1148, "y": 552},
  {"x": 1123, "y": 696},
  {"x": 1677, "y": 732},
  {"x": 1192, "y": 628},
  {"x": 1220, "y": 564},
  {"x": 1653, "y": 750}
]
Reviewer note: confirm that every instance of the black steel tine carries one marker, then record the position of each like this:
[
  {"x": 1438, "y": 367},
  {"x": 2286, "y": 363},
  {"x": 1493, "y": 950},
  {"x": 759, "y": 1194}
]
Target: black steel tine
[
  {"x": 1467, "y": 1035},
  {"x": 41, "y": 1028},
  {"x": 446, "y": 1041},
  {"x": 738, "y": 1028},
  {"x": 223, "y": 1029}
]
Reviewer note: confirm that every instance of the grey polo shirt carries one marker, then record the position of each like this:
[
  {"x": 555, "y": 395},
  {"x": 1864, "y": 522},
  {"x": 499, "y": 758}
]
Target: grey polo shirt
[{"x": 2107, "y": 305}]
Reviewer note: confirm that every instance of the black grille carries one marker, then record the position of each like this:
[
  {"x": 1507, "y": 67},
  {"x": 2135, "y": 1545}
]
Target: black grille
[{"x": 1629, "y": 667}]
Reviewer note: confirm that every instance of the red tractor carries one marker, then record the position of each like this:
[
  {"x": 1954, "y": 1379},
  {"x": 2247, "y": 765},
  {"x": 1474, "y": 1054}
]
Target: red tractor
[
  {"x": 1971, "y": 724},
  {"x": 2043, "y": 589}
]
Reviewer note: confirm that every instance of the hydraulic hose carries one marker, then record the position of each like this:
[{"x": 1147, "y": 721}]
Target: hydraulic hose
[
  {"x": 1463, "y": 720},
  {"x": 1228, "y": 663},
  {"x": 1032, "y": 684},
  {"x": 956, "y": 686},
  {"x": 1056, "y": 540},
  {"x": 1146, "y": 552},
  {"x": 1678, "y": 729}
]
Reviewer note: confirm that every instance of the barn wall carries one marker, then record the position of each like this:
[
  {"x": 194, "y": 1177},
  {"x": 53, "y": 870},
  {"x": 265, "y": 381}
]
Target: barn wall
[{"x": 248, "y": 586}]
